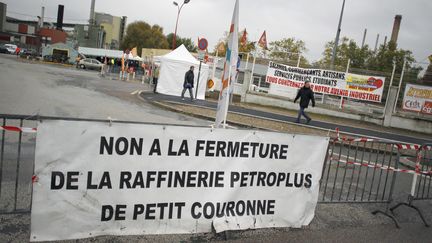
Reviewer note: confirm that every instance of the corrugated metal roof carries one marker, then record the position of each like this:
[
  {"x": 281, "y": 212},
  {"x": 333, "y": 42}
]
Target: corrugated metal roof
[{"x": 88, "y": 51}]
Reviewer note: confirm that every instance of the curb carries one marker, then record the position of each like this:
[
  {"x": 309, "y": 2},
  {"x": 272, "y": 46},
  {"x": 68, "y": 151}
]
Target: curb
[{"x": 165, "y": 106}]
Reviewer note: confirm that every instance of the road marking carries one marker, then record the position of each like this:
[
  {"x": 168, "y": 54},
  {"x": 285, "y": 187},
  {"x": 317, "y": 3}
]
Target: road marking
[{"x": 136, "y": 92}]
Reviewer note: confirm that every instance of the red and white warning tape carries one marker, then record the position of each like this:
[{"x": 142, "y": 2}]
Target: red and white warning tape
[
  {"x": 400, "y": 146},
  {"x": 18, "y": 129},
  {"x": 361, "y": 140},
  {"x": 384, "y": 167}
]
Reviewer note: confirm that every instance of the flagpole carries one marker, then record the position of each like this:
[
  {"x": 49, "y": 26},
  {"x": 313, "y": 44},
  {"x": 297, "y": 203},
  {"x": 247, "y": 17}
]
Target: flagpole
[
  {"x": 231, "y": 57},
  {"x": 215, "y": 61},
  {"x": 227, "y": 98}
]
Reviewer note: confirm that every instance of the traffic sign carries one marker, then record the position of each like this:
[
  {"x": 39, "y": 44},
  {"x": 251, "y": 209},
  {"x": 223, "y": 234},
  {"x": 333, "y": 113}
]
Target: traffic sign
[
  {"x": 202, "y": 44},
  {"x": 201, "y": 55}
]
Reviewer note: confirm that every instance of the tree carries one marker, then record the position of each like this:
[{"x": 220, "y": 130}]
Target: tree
[
  {"x": 288, "y": 50},
  {"x": 347, "y": 50},
  {"x": 189, "y": 44},
  {"x": 142, "y": 35},
  {"x": 365, "y": 58},
  {"x": 383, "y": 60}
]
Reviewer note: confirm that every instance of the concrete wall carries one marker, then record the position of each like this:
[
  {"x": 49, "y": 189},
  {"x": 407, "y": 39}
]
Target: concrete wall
[
  {"x": 268, "y": 100},
  {"x": 418, "y": 125},
  {"x": 396, "y": 121}
]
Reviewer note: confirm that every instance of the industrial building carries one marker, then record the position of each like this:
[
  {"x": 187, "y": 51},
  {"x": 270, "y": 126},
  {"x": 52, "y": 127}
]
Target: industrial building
[{"x": 102, "y": 31}]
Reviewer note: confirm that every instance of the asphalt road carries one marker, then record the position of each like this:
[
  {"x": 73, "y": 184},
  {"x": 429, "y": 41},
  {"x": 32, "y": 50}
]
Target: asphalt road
[
  {"x": 361, "y": 132},
  {"x": 53, "y": 90},
  {"x": 36, "y": 89}
]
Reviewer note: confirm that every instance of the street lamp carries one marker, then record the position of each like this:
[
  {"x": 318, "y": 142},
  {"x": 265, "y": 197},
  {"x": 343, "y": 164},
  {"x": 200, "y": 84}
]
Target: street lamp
[{"x": 178, "y": 15}]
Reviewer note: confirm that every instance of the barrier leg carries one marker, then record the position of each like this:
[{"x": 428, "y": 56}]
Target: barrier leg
[
  {"x": 385, "y": 213},
  {"x": 410, "y": 205}
]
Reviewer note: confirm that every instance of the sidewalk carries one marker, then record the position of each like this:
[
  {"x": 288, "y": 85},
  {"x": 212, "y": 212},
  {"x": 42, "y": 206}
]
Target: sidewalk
[{"x": 327, "y": 124}]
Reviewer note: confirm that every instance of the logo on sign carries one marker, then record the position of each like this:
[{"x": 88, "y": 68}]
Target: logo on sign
[
  {"x": 374, "y": 82},
  {"x": 427, "y": 108},
  {"x": 412, "y": 105}
]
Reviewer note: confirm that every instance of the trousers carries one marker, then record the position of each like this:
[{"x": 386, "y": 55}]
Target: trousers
[
  {"x": 190, "y": 92},
  {"x": 302, "y": 112}
]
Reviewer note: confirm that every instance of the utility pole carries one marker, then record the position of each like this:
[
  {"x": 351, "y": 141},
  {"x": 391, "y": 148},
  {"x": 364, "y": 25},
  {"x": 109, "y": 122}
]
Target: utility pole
[{"x": 337, "y": 36}]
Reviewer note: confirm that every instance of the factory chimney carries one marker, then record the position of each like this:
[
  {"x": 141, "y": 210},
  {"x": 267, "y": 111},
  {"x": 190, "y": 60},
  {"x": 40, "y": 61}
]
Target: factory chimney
[
  {"x": 396, "y": 27},
  {"x": 60, "y": 17},
  {"x": 92, "y": 20},
  {"x": 41, "y": 24}
]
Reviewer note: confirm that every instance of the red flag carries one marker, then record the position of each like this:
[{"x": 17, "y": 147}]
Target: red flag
[
  {"x": 243, "y": 40},
  {"x": 263, "y": 41}
]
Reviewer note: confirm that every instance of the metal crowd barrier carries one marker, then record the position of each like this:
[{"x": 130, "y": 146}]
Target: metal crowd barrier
[
  {"x": 16, "y": 165},
  {"x": 355, "y": 170},
  {"x": 421, "y": 187},
  {"x": 17, "y": 151},
  {"x": 360, "y": 171}
]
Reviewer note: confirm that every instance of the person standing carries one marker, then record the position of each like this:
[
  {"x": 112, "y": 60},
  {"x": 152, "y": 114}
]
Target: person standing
[
  {"x": 77, "y": 60},
  {"x": 305, "y": 94},
  {"x": 188, "y": 83},
  {"x": 17, "y": 51},
  {"x": 155, "y": 77}
]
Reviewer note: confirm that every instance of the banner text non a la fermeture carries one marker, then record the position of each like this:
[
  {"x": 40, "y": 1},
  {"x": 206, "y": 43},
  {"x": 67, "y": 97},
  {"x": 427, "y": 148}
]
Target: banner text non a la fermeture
[{"x": 96, "y": 180}]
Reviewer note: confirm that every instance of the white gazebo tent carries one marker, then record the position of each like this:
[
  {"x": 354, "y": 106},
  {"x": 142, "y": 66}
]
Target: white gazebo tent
[{"x": 173, "y": 67}]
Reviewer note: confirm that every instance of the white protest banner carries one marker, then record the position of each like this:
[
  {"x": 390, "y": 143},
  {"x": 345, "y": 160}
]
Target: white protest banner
[
  {"x": 134, "y": 179},
  {"x": 349, "y": 85},
  {"x": 418, "y": 98}
]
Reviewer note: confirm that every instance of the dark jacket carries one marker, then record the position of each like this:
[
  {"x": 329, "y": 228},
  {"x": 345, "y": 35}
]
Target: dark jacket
[
  {"x": 305, "y": 95},
  {"x": 189, "y": 79}
]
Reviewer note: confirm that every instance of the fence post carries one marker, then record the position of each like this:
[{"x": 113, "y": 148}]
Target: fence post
[
  {"x": 252, "y": 72},
  {"x": 390, "y": 103},
  {"x": 400, "y": 85}
]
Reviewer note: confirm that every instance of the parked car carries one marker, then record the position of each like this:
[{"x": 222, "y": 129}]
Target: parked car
[
  {"x": 90, "y": 64},
  {"x": 3, "y": 49},
  {"x": 11, "y": 48}
]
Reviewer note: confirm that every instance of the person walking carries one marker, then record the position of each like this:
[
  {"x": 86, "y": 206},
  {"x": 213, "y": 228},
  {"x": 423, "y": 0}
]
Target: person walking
[
  {"x": 188, "y": 83},
  {"x": 305, "y": 94}
]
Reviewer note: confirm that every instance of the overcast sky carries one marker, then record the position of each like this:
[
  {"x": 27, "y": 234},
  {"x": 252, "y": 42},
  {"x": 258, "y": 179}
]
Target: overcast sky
[{"x": 314, "y": 21}]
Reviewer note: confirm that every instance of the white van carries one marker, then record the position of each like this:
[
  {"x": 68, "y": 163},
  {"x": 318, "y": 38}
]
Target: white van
[{"x": 11, "y": 48}]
